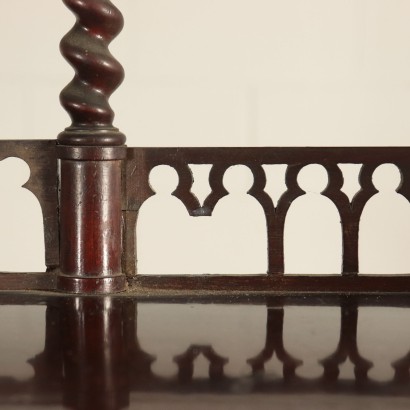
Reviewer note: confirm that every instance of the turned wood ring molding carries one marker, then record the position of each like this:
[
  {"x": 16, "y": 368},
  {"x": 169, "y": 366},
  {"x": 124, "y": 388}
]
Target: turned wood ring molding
[{"x": 91, "y": 153}]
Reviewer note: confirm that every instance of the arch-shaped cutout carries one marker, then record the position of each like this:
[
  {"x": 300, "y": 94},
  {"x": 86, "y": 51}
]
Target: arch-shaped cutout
[
  {"x": 239, "y": 244},
  {"x": 163, "y": 228},
  {"x": 313, "y": 178},
  {"x": 384, "y": 232},
  {"x": 21, "y": 220},
  {"x": 387, "y": 178},
  {"x": 163, "y": 180},
  {"x": 312, "y": 234},
  {"x": 232, "y": 241}
]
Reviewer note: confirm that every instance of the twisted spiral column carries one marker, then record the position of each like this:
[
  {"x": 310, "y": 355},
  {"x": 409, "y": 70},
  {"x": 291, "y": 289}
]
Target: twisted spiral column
[
  {"x": 91, "y": 151},
  {"x": 97, "y": 73}
]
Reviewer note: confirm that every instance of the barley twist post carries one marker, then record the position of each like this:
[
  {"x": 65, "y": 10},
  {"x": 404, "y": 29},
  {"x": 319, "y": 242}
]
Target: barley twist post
[{"x": 91, "y": 151}]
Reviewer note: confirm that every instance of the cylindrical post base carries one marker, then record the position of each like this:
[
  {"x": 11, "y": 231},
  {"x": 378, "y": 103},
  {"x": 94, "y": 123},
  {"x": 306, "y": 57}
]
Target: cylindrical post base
[{"x": 90, "y": 219}]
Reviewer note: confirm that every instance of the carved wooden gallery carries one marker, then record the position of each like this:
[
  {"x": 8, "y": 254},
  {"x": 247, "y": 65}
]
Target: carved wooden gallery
[{"x": 91, "y": 187}]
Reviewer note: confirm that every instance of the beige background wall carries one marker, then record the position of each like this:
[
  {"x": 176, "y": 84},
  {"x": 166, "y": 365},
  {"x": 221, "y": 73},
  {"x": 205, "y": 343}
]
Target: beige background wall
[
  {"x": 225, "y": 72},
  {"x": 220, "y": 73}
]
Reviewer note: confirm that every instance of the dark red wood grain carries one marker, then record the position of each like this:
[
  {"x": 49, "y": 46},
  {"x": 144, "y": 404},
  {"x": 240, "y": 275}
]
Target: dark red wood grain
[
  {"x": 90, "y": 153},
  {"x": 237, "y": 284},
  {"x": 90, "y": 225}
]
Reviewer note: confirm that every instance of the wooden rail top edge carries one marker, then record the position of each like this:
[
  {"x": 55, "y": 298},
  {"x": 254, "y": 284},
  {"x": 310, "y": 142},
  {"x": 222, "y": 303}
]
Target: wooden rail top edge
[{"x": 239, "y": 285}]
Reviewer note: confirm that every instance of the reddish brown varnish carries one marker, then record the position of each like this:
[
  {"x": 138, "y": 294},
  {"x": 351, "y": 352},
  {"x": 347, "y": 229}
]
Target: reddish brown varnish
[{"x": 90, "y": 154}]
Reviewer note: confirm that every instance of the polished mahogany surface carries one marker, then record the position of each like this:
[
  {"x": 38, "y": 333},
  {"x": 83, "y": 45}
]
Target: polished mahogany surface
[{"x": 198, "y": 351}]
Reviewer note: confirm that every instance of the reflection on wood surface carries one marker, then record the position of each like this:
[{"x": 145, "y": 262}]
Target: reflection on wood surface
[{"x": 92, "y": 357}]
